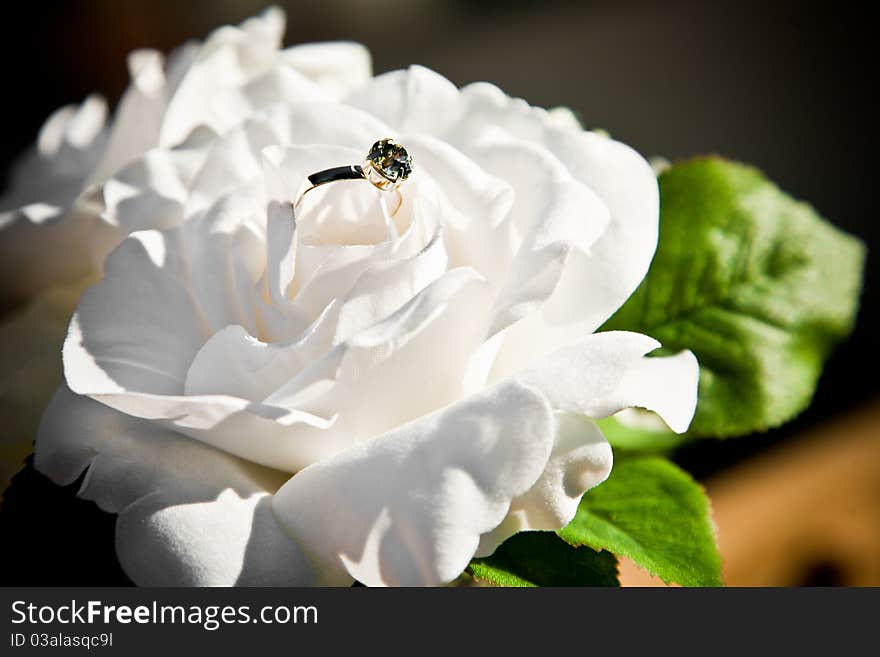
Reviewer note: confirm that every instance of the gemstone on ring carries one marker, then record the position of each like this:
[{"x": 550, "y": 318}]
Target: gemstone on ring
[{"x": 387, "y": 164}]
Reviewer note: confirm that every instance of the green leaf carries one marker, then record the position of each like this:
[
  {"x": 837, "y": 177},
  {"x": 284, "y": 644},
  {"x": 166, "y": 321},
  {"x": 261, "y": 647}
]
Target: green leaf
[
  {"x": 756, "y": 284},
  {"x": 652, "y": 512},
  {"x": 543, "y": 559}
]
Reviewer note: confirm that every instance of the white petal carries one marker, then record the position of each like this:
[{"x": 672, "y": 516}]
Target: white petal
[
  {"x": 412, "y": 100},
  {"x": 549, "y": 200},
  {"x": 138, "y": 118},
  {"x": 329, "y": 123},
  {"x": 667, "y": 386},
  {"x": 557, "y": 216},
  {"x": 230, "y": 162},
  {"x": 608, "y": 371},
  {"x": 475, "y": 206},
  {"x": 149, "y": 193},
  {"x": 581, "y": 459},
  {"x": 235, "y": 363},
  {"x": 621, "y": 178},
  {"x": 376, "y": 380},
  {"x": 408, "y": 508},
  {"x": 135, "y": 334},
  {"x": 188, "y": 514},
  {"x": 338, "y": 67},
  {"x": 280, "y": 250},
  {"x": 44, "y": 239},
  {"x": 138, "y": 329},
  {"x": 72, "y": 128},
  {"x": 619, "y": 259},
  {"x": 163, "y": 294},
  {"x": 231, "y": 57},
  {"x": 385, "y": 288},
  {"x": 486, "y": 106},
  {"x": 179, "y": 61},
  {"x": 565, "y": 118},
  {"x": 328, "y": 272},
  {"x": 226, "y": 254},
  {"x": 236, "y": 157},
  {"x": 277, "y": 438},
  {"x": 280, "y": 85},
  {"x": 267, "y": 27},
  {"x": 74, "y": 132}
]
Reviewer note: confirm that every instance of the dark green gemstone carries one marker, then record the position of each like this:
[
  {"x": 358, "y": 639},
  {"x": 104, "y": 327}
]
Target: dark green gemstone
[{"x": 391, "y": 160}]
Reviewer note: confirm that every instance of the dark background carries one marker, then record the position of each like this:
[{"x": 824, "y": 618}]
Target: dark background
[{"x": 785, "y": 86}]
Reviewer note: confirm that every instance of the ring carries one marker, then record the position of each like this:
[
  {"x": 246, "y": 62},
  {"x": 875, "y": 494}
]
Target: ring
[{"x": 386, "y": 166}]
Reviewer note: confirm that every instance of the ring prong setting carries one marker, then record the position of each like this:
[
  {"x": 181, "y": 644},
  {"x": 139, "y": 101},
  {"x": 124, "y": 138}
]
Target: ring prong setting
[{"x": 387, "y": 164}]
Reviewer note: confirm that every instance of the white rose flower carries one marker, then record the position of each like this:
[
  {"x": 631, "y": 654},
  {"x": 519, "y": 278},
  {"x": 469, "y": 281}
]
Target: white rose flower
[
  {"x": 55, "y": 229},
  {"x": 337, "y": 392}
]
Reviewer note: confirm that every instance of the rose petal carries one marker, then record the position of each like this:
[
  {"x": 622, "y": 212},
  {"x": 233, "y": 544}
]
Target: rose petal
[
  {"x": 150, "y": 193},
  {"x": 411, "y": 101},
  {"x": 267, "y": 27},
  {"x": 189, "y": 515},
  {"x": 44, "y": 239},
  {"x": 279, "y": 85},
  {"x": 72, "y": 136},
  {"x": 596, "y": 377},
  {"x": 328, "y": 272},
  {"x": 338, "y": 67},
  {"x": 281, "y": 241},
  {"x": 375, "y": 381},
  {"x": 235, "y": 363},
  {"x": 189, "y": 285},
  {"x": 230, "y": 57},
  {"x": 325, "y": 123},
  {"x": 621, "y": 178},
  {"x": 555, "y": 214},
  {"x": 484, "y": 105},
  {"x": 581, "y": 459},
  {"x": 138, "y": 117},
  {"x": 608, "y": 371},
  {"x": 231, "y": 161},
  {"x": 277, "y": 438},
  {"x": 475, "y": 206},
  {"x": 138, "y": 329},
  {"x": 619, "y": 259},
  {"x": 384, "y": 288},
  {"x": 409, "y": 507},
  {"x": 225, "y": 252},
  {"x": 564, "y": 117},
  {"x": 593, "y": 285}
]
